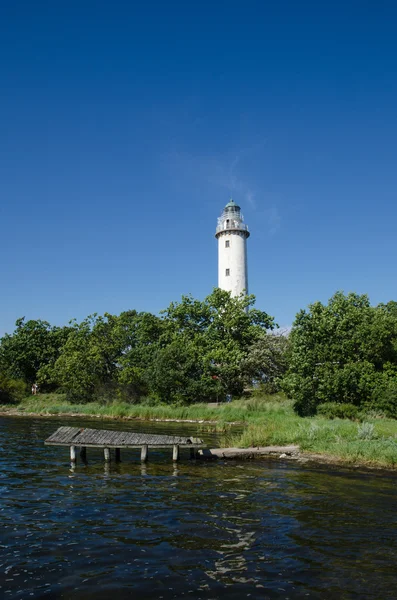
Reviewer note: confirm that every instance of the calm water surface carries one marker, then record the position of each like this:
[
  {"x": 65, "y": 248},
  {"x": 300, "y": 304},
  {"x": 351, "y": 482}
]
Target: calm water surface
[{"x": 197, "y": 530}]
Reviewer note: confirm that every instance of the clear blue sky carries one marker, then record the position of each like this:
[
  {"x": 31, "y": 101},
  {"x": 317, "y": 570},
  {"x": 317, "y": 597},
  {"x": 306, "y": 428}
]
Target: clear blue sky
[{"x": 126, "y": 126}]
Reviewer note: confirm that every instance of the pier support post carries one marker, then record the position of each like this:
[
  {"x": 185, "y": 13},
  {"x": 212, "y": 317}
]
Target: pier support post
[
  {"x": 175, "y": 453},
  {"x": 106, "y": 453},
  {"x": 144, "y": 453},
  {"x": 117, "y": 455},
  {"x": 83, "y": 454},
  {"x": 73, "y": 454}
]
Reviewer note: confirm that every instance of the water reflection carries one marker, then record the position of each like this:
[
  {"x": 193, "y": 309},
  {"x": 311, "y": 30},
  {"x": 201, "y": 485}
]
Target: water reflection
[{"x": 209, "y": 530}]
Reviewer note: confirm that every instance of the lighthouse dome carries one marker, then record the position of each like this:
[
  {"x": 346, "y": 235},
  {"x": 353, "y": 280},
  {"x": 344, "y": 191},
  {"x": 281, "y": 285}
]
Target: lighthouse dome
[{"x": 232, "y": 206}]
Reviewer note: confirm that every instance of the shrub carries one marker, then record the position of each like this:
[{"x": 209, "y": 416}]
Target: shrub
[
  {"x": 365, "y": 431},
  {"x": 371, "y": 413},
  {"x": 385, "y": 399},
  {"x": 12, "y": 390},
  {"x": 107, "y": 393},
  {"x": 336, "y": 410}
]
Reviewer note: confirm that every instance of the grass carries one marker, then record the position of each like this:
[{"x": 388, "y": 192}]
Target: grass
[
  {"x": 267, "y": 420},
  {"x": 372, "y": 443},
  {"x": 237, "y": 411}
]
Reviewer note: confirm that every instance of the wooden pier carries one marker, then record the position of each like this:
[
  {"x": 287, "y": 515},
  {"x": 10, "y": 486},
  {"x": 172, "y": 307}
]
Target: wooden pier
[{"x": 76, "y": 437}]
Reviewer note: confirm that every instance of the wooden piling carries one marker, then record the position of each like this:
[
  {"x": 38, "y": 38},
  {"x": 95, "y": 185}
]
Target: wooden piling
[
  {"x": 175, "y": 452},
  {"x": 144, "y": 453},
  {"x": 118, "y": 455},
  {"x": 83, "y": 453},
  {"x": 73, "y": 454},
  {"x": 106, "y": 453}
]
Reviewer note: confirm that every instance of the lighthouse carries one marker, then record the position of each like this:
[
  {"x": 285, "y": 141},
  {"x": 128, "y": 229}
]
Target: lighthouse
[{"x": 232, "y": 234}]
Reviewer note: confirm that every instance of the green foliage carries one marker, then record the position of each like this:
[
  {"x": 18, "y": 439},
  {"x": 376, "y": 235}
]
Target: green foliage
[
  {"x": 384, "y": 397},
  {"x": 91, "y": 362},
  {"x": 32, "y": 350},
  {"x": 196, "y": 351},
  {"x": 266, "y": 362},
  {"x": 11, "y": 390},
  {"x": 204, "y": 351},
  {"x": 335, "y": 410},
  {"x": 175, "y": 372},
  {"x": 338, "y": 352},
  {"x": 366, "y": 431}
]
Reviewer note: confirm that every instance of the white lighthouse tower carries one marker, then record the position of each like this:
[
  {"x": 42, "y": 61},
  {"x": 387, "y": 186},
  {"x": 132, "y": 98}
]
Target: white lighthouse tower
[{"x": 232, "y": 234}]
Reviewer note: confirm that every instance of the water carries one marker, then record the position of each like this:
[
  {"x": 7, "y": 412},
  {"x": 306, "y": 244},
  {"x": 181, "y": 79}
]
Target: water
[{"x": 263, "y": 529}]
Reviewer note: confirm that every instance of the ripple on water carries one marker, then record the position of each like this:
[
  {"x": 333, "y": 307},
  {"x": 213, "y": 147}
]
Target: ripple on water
[{"x": 205, "y": 530}]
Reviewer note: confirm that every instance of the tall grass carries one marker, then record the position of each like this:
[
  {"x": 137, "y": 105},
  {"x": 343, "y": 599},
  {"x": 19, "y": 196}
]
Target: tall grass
[
  {"x": 370, "y": 444},
  {"x": 240, "y": 411}
]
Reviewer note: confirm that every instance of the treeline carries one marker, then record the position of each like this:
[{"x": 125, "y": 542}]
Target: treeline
[
  {"x": 195, "y": 351},
  {"x": 339, "y": 359}
]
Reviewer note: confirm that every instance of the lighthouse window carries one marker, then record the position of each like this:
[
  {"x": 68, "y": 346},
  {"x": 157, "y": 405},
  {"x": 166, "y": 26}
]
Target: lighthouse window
[
  {"x": 227, "y": 272},
  {"x": 227, "y": 244}
]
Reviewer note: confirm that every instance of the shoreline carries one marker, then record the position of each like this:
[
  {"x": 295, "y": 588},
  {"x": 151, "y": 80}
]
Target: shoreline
[
  {"x": 22, "y": 413},
  {"x": 294, "y": 454},
  {"x": 290, "y": 452}
]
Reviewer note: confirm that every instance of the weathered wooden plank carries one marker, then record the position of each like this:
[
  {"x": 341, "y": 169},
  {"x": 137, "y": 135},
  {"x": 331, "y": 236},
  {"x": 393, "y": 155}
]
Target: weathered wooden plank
[
  {"x": 90, "y": 435},
  {"x": 128, "y": 446},
  {"x": 115, "y": 436},
  {"x": 61, "y": 433},
  {"x": 249, "y": 452},
  {"x": 67, "y": 433},
  {"x": 86, "y": 434},
  {"x": 95, "y": 439},
  {"x": 56, "y": 434},
  {"x": 68, "y": 436},
  {"x": 111, "y": 437},
  {"x": 101, "y": 437}
]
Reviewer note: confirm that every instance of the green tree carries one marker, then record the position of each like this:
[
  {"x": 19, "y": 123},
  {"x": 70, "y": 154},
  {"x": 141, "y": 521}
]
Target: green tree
[
  {"x": 139, "y": 351},
  {"x": 176, "y": 373},
  {"x": 201, "y": 352},
  {"x": 104, "y": 357},
  {"x": 338, "y": 352},
  {"x": 265, "y": 362},
  {"x": 31, "y": 351}
]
